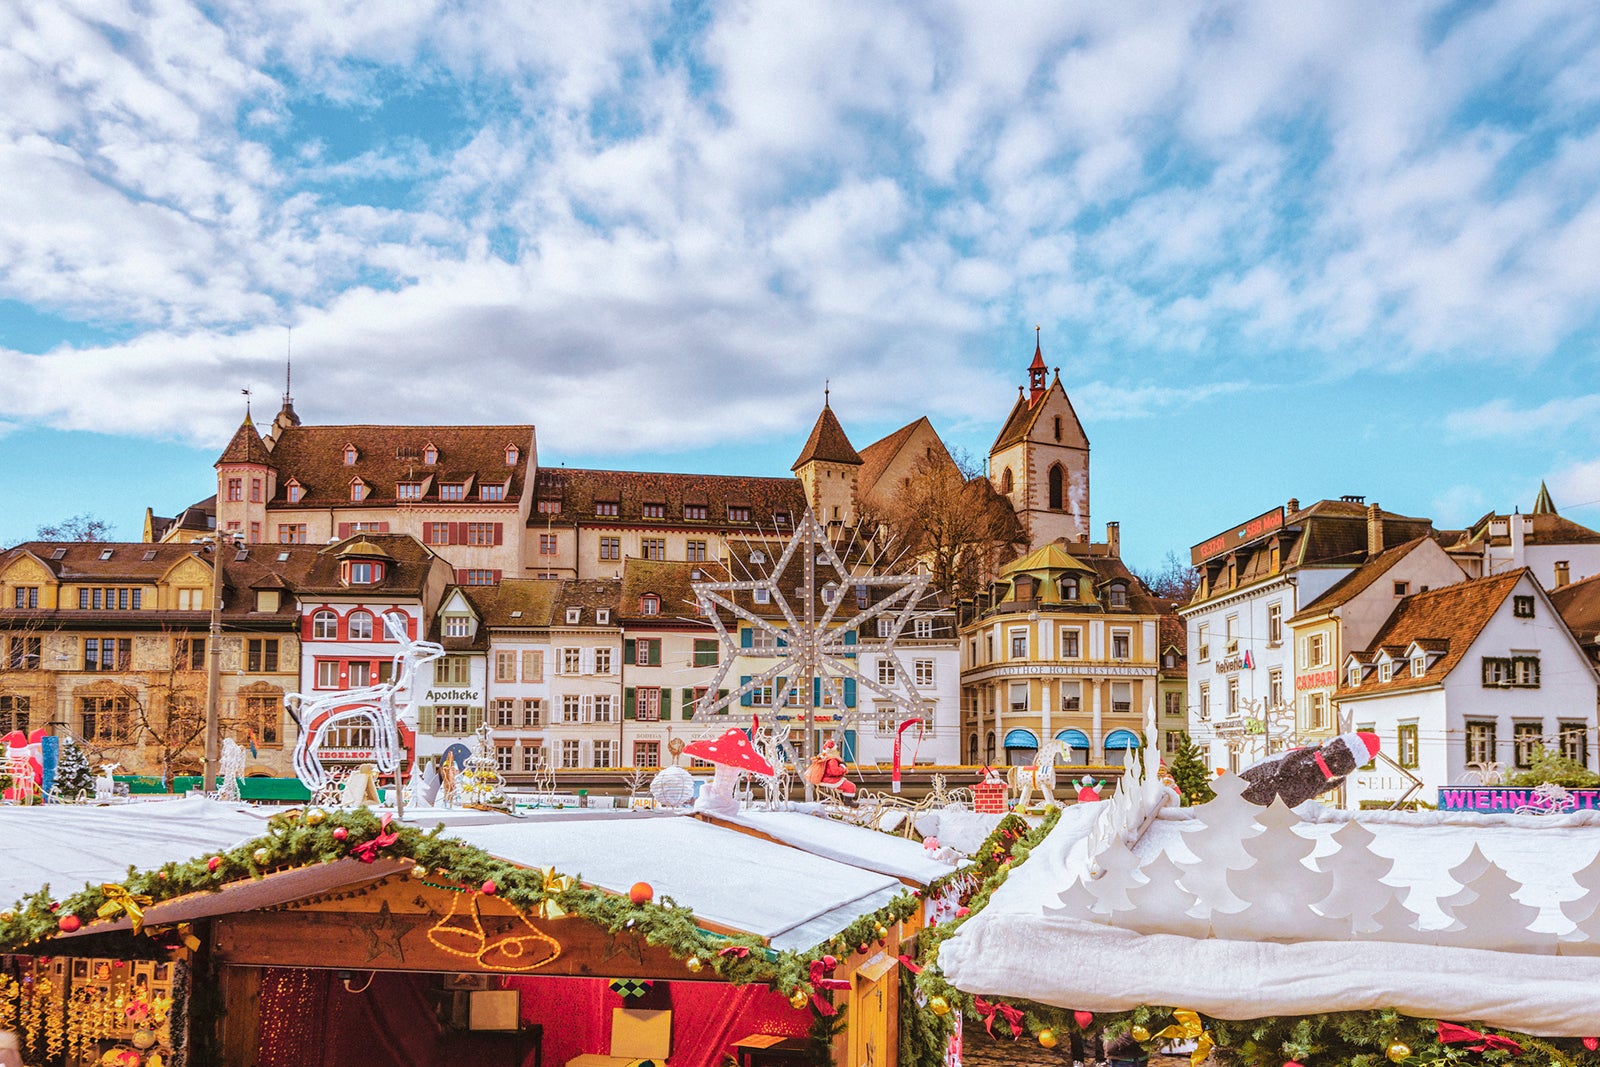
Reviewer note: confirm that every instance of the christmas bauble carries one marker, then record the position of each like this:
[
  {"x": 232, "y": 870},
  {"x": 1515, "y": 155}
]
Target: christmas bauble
[
  {"x": 672, "y": 787},
  {"x": 260, "y": 856},
  {"x": 340, "y": 833},
  {"x": 1398, "y": 1051},
  {"x": 882, "y": 931},
  {"x": 314, "y": 816},
  {"x": 939, "y": 1005},
  {"x": 798, "y": 998},
  {"x": 213, "y": 863},
  {"x": 641, "y": 893},
  {"x": 419, "y": 871},
  {"x": 1084, "y": 1019},
  {"x": 69, "y": 923},
  {"x": 489, "y": 888},
  {"x": 143, "y": 1038},
  {"x": 694, "y": 964},
  {"x": 1590, "y": 1043},
  {"x": 1047, "y": 1038},
  {"x": 1140, "y": 1033},
  {"x": 7, "y": 916}
]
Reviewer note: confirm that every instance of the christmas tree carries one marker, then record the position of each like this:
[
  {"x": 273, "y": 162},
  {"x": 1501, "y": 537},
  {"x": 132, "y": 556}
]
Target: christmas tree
[
  {"x": 1189, "y": 771},
  {"x": 480, "y": 784},
  {"x": 1279, "y": 888},
  {"x": 74, "y": 780}
]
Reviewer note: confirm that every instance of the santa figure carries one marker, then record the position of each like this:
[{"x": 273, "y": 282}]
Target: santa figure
[
  {"x": 1088, "y": 790},
  {"x": 22, "y": 765},
  {"x": 828, "y": 769}
]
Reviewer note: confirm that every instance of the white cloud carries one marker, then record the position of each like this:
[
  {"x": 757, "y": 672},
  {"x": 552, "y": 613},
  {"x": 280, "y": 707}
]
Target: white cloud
[{"x": 1501, "y": 418}]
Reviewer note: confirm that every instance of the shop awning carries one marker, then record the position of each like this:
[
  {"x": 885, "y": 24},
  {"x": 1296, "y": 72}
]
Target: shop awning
[
  {"x": 1021, "y": 739},
  {"x": 1121, "y": 739},
  {"x": 1073, "y": 738}
]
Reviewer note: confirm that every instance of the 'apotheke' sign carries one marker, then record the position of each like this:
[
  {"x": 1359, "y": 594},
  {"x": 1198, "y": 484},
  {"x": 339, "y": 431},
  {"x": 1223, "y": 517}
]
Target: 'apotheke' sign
[{"x": 456, "y": 695}]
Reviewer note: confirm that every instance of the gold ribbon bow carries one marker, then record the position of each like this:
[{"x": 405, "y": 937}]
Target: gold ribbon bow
[
  {"x": 1188, "y": 1027},
  {"x": 119, "y": 899},
  {"x": 553, "y": 885}
]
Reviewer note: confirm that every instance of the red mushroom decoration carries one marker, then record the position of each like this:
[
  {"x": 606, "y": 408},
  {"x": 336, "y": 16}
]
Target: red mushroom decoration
[{"x": 733, "y": 755}]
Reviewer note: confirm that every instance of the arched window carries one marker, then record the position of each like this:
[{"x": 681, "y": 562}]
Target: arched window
[
  {"x": 972, "y": 749},
  {"x": 325, "y": 626},
  {"x": 1005, "y": 481},
  {"x": 1057, "y": 493},
  {"x": 1058, "y": 427},
  {"x": 402, "y": 623},
  {"x": 988, "y": 751},
  {"x": 360, "y": 626}
]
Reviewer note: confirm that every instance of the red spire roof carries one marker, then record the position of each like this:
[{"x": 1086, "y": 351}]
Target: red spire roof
[
  {"x": 246, "y": 447},
  {"x": 827, "y": 442}
]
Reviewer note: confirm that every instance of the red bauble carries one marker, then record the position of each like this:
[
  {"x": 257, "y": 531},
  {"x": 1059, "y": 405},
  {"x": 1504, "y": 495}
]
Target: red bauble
[
  {"x": 489, "y": 888},
  {"x": 1084, "y": 1019},
  {"x": 340, "y": 833},
  {"x": 963, "y": 911},
  {"x": 1292, "y": 1063},
  {"x": 641, "y": 893},
  {"x": 1591, "y": 1043},
  {"x": 213, "y": 863},
  {"x": 69, "y": 923}
]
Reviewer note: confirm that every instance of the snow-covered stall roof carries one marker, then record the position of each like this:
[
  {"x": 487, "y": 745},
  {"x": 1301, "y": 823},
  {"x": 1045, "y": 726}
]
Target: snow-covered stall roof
[
  {"x": 1241, "y": 912},
  {"x": 791, "y": 897},
  {"x": 71, "y": 845},
  {"x": 855, "y": 845}
]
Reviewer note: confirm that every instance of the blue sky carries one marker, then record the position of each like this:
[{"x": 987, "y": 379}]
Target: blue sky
[{"x": 1276, "y": 249}]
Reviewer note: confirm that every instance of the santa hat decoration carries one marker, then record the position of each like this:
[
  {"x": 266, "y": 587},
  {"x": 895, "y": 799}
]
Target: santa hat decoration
[{"x": 23, "y": 763}]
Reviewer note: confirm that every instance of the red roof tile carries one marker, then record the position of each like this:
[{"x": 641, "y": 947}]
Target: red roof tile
[{"x": 827, "y": 442}]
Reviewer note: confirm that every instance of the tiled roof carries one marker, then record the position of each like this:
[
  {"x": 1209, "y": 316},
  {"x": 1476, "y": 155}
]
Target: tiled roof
[
  {"x": 516, "y": 602},
  {"x": 1579, "y": 605},
  {"x": 1548, "y": 528},
  {"x": 1455, "y": 614},
  {"x": 1335, "y": 532},
  {"x": 1353, "y": 584},
  {"x": 587, "y": 595},
  {"x": 1083, "y": 559},
  {"x": 672, "y": 582},
  {"x": 129, "y": 561},
  {"x": 313, "y": 456},
  {"x": 1025, "y": 412},
  {"x": 580, "y": 490},
  {"x": 199, "y": 516},
  {"x": 405, "y": 574},
  {"x": 877, "y": 456},
  {"x": 246, "y": 446},
  {"x": 827, "y": 442}
]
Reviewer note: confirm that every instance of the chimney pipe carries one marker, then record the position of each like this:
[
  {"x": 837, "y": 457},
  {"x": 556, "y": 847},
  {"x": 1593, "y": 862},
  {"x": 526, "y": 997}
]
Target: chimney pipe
[
  {"x": 1374, "y": 529},
  {"x": 1114, "y": 538},
  {"x": 1518, "y": 541},
  {"x": 1292, "y": 506},
  {"x": 1563, "y": 573}
]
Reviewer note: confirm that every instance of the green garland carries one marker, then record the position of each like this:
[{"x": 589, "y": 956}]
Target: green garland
[
  {"x": 1354, "y": 1038},
  {"x": 295, "y": 841}
]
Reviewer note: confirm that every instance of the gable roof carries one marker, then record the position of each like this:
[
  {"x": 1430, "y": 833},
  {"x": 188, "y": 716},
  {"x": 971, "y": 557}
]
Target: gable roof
[
  {"x": 406, "y": 574},
  {"x": 1025, "y": 413},
  {"x": 579, "y": 490},
  {"x": 1359, "y": 580},
  {"x": 877, "y": 456},
  {"x": 827, "y": 443},
  {"x": 516, "y": 603},
  {"x": 313, "y": 456},
  {"x": 1455, "y": 614},
  {"x": 1544, "y": 528},
  {"x": 673, "y": 583}
]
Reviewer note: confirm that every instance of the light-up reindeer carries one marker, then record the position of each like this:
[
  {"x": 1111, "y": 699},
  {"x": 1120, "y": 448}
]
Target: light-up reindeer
[{"x": 372, "y": 706}]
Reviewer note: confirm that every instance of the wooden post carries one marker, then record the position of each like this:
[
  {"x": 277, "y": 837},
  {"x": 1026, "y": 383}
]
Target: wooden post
[{"x": 240, "y": 1040}]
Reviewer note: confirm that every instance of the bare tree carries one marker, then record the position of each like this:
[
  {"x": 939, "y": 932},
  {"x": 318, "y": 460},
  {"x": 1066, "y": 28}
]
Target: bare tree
[
  {"x": 947, "y": 515},
  {"x": 85, "y": 527},
  {"x": 1174, "y": 579}
]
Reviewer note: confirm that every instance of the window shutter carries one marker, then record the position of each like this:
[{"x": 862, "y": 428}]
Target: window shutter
[
  {"x": 630, "y": 703},
  {"x": 747, "y": 638},
  {"x": 722, "y": 694},
  {"x": 816, "y": 692},
  {"x": 499, "y": 533},
  {"x": 847, "y": 750},
  {"x": 686, "y": 702},
  {"x": 428, "y": 719},
  {"x": 461, "y": 576},
  {"x": 655, "y": 653},
  {"x": 497, "y": 573},
  {"x": 305, "y": 627},
  {"x": 588, "y": 708},
  {"x": 849, "y": 637},
  {"x": 849, "y": 692},
  {"x": 344, "y": 530},
  {"x": 666, "y": 703},
  {"x": 745, "y": 700},
  {"x": 629, "y": 645},
  {"x": 1485, "y": 668}
]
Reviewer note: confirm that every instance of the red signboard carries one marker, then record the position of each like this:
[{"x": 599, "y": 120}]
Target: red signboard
[
  {"x": 1314, "y": 680},
  {"x": 1242, "y": 534}
]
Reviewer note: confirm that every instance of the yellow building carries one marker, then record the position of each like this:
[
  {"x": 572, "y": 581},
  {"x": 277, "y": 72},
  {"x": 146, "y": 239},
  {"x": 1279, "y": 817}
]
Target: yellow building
[{"x": 1065, "y": 646}]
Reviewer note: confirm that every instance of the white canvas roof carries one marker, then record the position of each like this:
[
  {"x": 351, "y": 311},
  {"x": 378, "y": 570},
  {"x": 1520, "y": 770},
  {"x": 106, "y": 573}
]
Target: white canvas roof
[{"x": 855, "y": 845}]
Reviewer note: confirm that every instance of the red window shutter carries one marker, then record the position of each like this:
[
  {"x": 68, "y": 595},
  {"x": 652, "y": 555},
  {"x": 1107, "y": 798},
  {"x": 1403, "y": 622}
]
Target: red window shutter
[
  {"x": 344, "y": 530},
  {"x": 499, "y": 529},
  {"x": 461, "y": 576},
  {"x": 497, "y": 577},
  {"x": 458, "y": 533},
  {"x": 382, "y": 527},
  {"x": 305, "y": 627}
]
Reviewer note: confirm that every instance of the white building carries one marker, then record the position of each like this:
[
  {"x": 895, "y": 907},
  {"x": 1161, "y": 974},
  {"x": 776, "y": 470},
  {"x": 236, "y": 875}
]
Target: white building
[
  {"x": 1473, "y": 674},
  {"x": 1557, "y": 549},
  {"x": 517, "y": 615},
  {"x": 930, "y": 653}
]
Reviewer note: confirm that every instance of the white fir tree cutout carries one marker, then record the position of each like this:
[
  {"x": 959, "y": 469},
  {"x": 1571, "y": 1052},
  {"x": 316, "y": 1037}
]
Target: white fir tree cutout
[
  {"x": 1224, "y": 825},
  {"x": 1584, "y": 939},
  {"x": 1359, "y": 894},
  {"x": 1484, "y": 914},
  {"x": 1279, "y": 889},
  {"x": 1119, "y": 873},
  {"x": 1078, "y": 902},
  {"x": 1161, "y": 905}
]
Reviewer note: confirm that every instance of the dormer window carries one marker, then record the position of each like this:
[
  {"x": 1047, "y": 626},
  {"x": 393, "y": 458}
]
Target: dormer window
[
  {"x": 350, "y": 455},
  {"x": 574, "y": 615},
  {"x": 655, "y": 511},
  {"x": 362, "y": 572},
  {"x": 602, "y": 616},
  {"x": 830, "y": 594},
  {"x": 1069, "y": 589},
  {"x": 453, "y": 491},
  {"x": 1354, "y": 678},
  {"x": 738, "y": 514},
  {"x": 605, "y": 508},
  {"x": 1419, "y": 666},
  {"x": 650, "y": 604},
  {"x": 1119, "y": 596},
  {"x": 430, "y": 455},
  {"x": 758, "y": 556},
  {"x": 694, "y": 511},
  {"x": 1385, "y": 671},
  {"x": 295, "y": 492},
  {"x": 458, "y": 626},
  {"x": 491, "y": 492},
  {"x": 513, "y": 453},
  {"x": 408, "y": 491},
  {"x": 781, "y": 518},
  {"x": 358, "y": 489}
]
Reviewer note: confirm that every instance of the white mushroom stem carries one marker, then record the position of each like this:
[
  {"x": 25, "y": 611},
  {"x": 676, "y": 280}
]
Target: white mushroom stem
[{"x": 718, "y": 797}]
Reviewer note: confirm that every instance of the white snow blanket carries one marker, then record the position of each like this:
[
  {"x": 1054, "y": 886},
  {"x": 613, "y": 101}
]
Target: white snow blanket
[
  {"x": 957, "y": 828},
  {"x": 855, "y": 845},
  {"x": 788, "y": 895},
  {"x": 71, "y": 845},
  {"x": 1026, "y": 945}
]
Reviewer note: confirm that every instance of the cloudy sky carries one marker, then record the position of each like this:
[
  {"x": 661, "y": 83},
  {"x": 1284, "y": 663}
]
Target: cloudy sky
[{"x": 1276, "y": 249}]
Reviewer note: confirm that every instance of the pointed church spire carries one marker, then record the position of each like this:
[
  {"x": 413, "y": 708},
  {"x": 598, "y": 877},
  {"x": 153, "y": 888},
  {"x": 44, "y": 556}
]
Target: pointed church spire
[
  {"x": 1543, "y": 505},
  {"x": 827, "y": 442},
  {"x": 1036, "y": 371}
]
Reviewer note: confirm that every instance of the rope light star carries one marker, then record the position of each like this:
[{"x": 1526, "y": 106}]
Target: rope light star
[{"x": 811, "y": 645}]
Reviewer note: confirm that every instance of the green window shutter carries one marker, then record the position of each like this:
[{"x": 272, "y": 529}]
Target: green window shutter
[
  {"x": 849, "y": 692},
  {"x": 849, "y": 637},
  {"x": 745, "y": 700},
  {"x": 630, "y": 704},
  {"x": 666, "y": 703},
  {"x": 474, "y": 719},
  {"x": 655, "y": 653},
  {"x": 847, "y": 751},
  {"x": 747, "y": 638},
  {"x": 428, "y": 719},
  {"x": 628, "y": 645},
  {"x": 686, "y": 697},
  {"x": 816, "y": 692}
]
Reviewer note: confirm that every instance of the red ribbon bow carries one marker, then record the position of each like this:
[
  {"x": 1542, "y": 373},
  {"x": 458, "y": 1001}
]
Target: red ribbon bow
[
  {"x": 910, "y": 965},
  {"x": 1452, "y": 1034},
  {"x": 1012, "y": 1016},
  {"x": 820, "y": 969},
  {"x": 367, "y": 851},
  {"x": 734, "y": 950}
]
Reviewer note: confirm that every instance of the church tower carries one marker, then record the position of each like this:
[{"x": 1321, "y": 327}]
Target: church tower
[
  {"x": 827, "y": 468},
  {"x": 246, "y": 480},
  {"x": 1040, "y": 461}
]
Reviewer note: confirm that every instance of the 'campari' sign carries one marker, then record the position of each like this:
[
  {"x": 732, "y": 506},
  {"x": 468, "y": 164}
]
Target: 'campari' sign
[{"x": 1501, "y": 798}]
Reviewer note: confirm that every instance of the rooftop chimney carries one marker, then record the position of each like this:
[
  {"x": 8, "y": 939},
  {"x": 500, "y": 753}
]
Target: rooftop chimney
[
  {"x": 1114, "y": 538},
  {"x": 1374, "y": 529},
  {"x": 1563, "y": 573},
  {"x": 1518, "y": 540},
  {"x": 1292, "y": 506}
]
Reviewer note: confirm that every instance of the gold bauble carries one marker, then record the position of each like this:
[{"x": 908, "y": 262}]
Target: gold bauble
[
  {"x": 694, "y": 964},
  {"x": 1140, "y": 1033},
  {"x": 799, "y": 998},
  {"x": 315, "y": 816},
  {"x": 1398, "y": 1051},
  {"x": 939, "y": 1005},
  {"x": 7, "y": 916},
  {"x": 419, "y": 871},
  {"x": 260, "y": 856},
  {"x": 883, "y": 931},
  {"x": 1047, "y": 1038}
]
